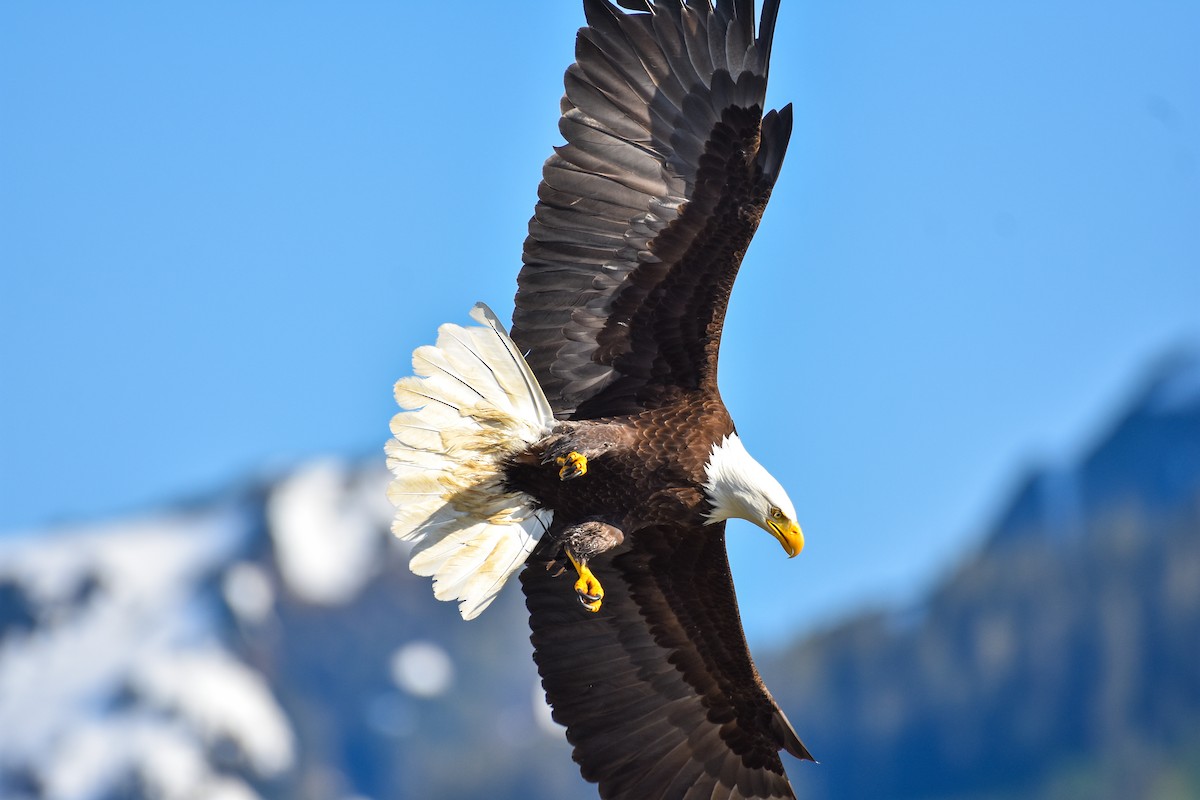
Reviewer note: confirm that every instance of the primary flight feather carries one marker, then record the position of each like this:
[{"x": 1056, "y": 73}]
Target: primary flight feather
[{"x": 590, "y": 451}]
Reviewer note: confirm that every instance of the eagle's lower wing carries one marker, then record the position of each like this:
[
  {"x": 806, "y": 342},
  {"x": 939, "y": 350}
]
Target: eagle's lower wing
[
  {"x": 645, "y": 213},
  {"x": 657, "y": 690}
]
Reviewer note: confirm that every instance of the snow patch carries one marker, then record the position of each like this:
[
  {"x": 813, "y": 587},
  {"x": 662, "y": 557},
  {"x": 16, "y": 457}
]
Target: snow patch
[
  {"x": 222, "y": 698},
  {"x": 117, "y": 607},
  {"x": 248, "y": 591},
  {"x": 327, "y": 535},
  {"x": 95, "y": 758},
  {"x": 423, "y": 669}
]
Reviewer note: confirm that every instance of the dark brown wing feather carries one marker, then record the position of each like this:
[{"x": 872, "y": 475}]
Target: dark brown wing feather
[
  {"x": 657, "y": 689},
  {"x": 645, "y": 213}
]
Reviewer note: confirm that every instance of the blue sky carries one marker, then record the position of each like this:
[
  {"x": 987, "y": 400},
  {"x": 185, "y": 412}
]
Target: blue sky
[{"x": 225, "y": 226}]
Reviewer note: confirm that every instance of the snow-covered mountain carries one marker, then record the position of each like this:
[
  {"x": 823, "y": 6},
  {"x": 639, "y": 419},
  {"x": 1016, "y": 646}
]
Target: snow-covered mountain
[
  {"x": 268, "y": 643},
  {"x": 112, "y": 664}
]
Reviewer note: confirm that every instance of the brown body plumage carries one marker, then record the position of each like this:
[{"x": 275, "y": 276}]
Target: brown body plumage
[{"x": 643, "y": 469}]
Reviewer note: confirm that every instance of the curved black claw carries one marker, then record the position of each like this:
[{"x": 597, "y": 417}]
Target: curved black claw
[{"x": 590, "y": 601}]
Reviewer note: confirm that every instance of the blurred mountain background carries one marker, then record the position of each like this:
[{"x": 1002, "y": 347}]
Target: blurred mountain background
[
  {"x": 268, "y": 642},
  {"x": 1060, "y": 660}
]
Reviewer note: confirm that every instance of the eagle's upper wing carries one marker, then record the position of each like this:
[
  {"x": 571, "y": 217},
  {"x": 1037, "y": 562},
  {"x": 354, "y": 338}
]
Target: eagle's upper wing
[
  {"x": 645, "y": 213},
  {"x": 657, "y": 689}
]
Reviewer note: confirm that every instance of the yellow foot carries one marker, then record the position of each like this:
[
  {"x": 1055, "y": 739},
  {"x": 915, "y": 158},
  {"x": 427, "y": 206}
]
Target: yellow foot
[
  {"x": 574, "y": 465},
  {"x": 591, "y": 593}
]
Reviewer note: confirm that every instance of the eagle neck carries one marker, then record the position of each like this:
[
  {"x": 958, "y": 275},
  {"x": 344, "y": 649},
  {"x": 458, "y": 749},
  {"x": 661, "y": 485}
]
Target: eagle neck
[{"x": 733, "y": 478}]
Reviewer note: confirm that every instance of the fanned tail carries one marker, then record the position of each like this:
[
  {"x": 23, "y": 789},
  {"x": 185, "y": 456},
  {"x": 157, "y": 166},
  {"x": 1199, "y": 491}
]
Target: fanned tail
[{"x": 472, "y": 402}]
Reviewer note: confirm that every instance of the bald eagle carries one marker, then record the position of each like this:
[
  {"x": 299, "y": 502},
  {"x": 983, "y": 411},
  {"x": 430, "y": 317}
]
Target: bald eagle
[{"x": 590, "y": 450}]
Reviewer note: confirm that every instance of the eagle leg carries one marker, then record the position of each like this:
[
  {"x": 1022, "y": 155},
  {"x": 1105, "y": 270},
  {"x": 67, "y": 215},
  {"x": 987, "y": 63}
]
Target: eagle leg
[
  {"x": 573, "y": 465},
  {"x": 583, "y": 542},
  {"x": 590, "y": 592}
]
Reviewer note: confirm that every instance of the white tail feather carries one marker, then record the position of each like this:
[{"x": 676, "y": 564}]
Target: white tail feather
[{"x": 472, "y": 402}]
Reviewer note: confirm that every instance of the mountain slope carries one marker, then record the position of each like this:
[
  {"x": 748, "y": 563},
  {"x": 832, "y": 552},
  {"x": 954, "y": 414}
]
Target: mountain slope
[{"x": 1061, "y": 660}]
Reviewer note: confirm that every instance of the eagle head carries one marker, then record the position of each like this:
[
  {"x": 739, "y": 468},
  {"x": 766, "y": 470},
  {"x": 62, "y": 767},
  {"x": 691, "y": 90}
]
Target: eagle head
[{"x": 738, "y": 486}]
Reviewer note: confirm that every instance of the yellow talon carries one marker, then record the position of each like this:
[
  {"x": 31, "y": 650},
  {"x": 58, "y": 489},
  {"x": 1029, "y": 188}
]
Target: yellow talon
[
  {"x": 590, "y": 592},
  {"x": 574, "y": 465}
]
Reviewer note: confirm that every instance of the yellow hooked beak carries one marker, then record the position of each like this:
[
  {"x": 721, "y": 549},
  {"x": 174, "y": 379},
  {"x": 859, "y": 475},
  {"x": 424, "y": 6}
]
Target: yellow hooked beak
[{"x": 789, "y": 535}]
